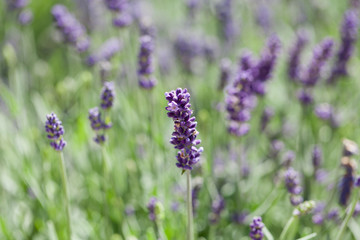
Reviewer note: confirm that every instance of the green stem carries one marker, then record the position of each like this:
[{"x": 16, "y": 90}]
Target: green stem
[
  {"x": 348, "y": 215},
  {"x": 190, "y": 230},
  {"x": 105, "y": 188},
  {"x": 66, "y": 194},
  {"x": 287, "y": 227}
]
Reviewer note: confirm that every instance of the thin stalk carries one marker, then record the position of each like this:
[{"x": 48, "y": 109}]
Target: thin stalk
[
  {"x": 105, "y": 188},
  {"x": 286, "y": 229},
  {"x": 66, "y": 194},
  {"x": 348, "y": 215},
  {"x": 190, "y": 230}
]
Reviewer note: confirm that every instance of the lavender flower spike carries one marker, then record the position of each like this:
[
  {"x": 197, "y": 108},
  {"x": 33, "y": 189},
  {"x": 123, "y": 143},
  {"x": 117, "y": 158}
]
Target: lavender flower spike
[
  {"x": 349, "y": 32},
  {"x": 294, "y": 57},
  {"x": 55, "y": 131},
  {"x": 321, "y": 54},
  {"x": 72, "y": 30},
  {"x": 217, "y": 207},
  {"x": 256, "y": 227},
  {"x": 184, "y": 135},
  {"x": 106, "y": 51},
  {"x": 292, "y": 182},
  {"x": 107, "y": 95},
  {"x": 145, "y": 61}
]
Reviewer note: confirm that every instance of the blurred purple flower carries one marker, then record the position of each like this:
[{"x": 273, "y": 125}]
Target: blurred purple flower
[
  {"x": 217, "y": 206},
  {"x": 266, "y": 116},
  {"x": 292, "y": 182},
  {"x": 225, "y": 72},
  {"x": 55, "y": 132},
  {"x": 294, "y": 65},
  {"x": 107, "y": 50},
  {"x": 145, "y": 63},
  {"x": 225, "y": 16},
  {"x": 25, "y": 17}
]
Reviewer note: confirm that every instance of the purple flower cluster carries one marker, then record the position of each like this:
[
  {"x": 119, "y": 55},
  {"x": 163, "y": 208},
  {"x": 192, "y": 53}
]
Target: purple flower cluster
[
  {"x": 121, "y": 8},
  {"x": 317, "y": 157},
  {"x": 240, "y": 100},
  {"x": 151, "y": 208},
  {"x": 266, "y": 116},
  {"x": 326, "y": 112},
  {"x": 349, "y": 32},
  {"x": 217, "y": 207},
  {"x": 25, "y": 17},
  {"x": 100, "y": 123},
  {"x": 256, "y": 227},
  {"x": 292, "y": 182},
  {"x": 225, "y": 16},
  {"x": 72, "y": 30},
  {"x": 145, "y": 62},
  {"x": 55, "y": 132},
  {"x": 295, "y": 54},
  {"x": 184, "y": 135},
  {"x": 17, "y": 4},
  {"x": 105, "y": 52}
]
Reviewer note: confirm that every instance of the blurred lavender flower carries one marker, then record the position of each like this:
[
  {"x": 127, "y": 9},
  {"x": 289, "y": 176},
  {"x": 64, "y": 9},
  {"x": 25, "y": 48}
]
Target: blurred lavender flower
[
  {"x": 217, "y": 206},
  {"x": 347, "y": 181},
  {"x": 129, "y": 210},
  {"x": 210, "y": 49},
  {"x": 72, "y": 30},
  {"x": 225, "y": 16},
  {"x": 349, "y": 32},
  {"x": 305, "y": 97},
  {"x": 107, "y": 95},
  {"x": 225, "y": 73},
  {"x": 247, "y": 61},
  {"x": 276, "y": 147},
  {"x": 107, "y": 50},
  {"x": 265, "y": 66},
  {"x": 318, "y": 215},
  {"x": 192, "y": 6},
  {"x": 321, "y": 175},
  {"x": 292, "y": 182},
  {"x": 25, "y": 17},
  {"x": 188, "y": 47},
  {"x": 239, "y": 101},
  {"x": 321, "y": 54},
  {"x": 145, "y": 63},
  {"x": 263, "y": 17},
  {"x": 98, "y": 125},
  {"x": 256, "y": 229},
  {"x": 239, "y": 218},
  {"x": 294, "y": 65},
  {"x": 288, "y": 158},
  {"x": 266, "y": 116},
  {"x": 184, "y": 135},
  {"x": 122, "y": 20},
  {"x": 325, "y": 112},
  {"x": 357, "y": 210},
  {"x": 116, "y": 5},
  {"x": 55, "y": 131},
  {"x": 318, "y": 219},
  {"x": 17, "y": 4},
  {"x": 156, "y": 210},
  {"x": 333, "y": 215},
  {"x": 316, "y": 157}
]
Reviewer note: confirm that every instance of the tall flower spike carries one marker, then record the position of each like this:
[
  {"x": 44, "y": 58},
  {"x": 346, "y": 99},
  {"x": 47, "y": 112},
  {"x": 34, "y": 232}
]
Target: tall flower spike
[
  {"x": 72, "y": 30},
  {"x": 184, "y": 135},
  {"x": 256, "y": 227},
  {"x": 225, "y": 73},
  {"x": 225, "y": 16},
  {"x": 55, "y": 131},
  {"x": 107, "y": 95},
  {"x": 349, "y": 32},
  {"x": 292, "y": 182},
  {"x": 145, "y": 63},
  {"x": 294, "y": 56}
]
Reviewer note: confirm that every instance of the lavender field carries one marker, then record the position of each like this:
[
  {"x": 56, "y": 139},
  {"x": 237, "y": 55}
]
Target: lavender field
[{"x": 179, "y": 119}]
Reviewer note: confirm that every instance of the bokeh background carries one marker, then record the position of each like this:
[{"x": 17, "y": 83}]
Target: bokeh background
[{"x": 40, "y": 74}]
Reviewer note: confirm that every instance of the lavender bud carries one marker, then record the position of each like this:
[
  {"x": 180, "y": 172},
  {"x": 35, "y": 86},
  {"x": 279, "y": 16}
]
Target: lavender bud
[
  {"x": 333, "y": 215},
  {"x": 239, "y": 218},
  {"x": 292, "y": 182},
  {"x": 184, "y": 136},
  {"x": 217, "y": 207},
  {"x": 316, "y": 157},
  {"x": 225, "y": 73},
  {"x": 288, "y": 159},
  {"x": 256, "y": 227},
  {"x": 305, "y": 97},
  {"x": 318, "y": 219},
  {"x": 266, "y": 116},
  {"x": 25, "y": 17},
  {"x": 107, "y": 95},
  {"x": 304, "y": 208},
  {"x": 357, "y": 210},
  {"x": 55, "y": 132},
  {"x": 145, "y": 67},
  {"x": 122, "y": 20},
  {"x": 225, "y": 16},
  {"x": 347, "y": 181},
  {"x": 349, "y": 32},
  {"x": 156, "y": 210}
]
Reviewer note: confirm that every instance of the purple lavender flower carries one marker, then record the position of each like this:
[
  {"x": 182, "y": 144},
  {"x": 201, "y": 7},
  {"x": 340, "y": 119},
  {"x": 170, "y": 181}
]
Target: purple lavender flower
[
  {"x": 263, "y": 17},
  {"x": 145, "y": 63},
  {"x": 333, "y": 215},
  {"x": 218, "y": 205},
  {"x": 192, "y": 6},
  {"x": 321, "y": 54},
  {"x": 276, "y": 147},
  {"x": 326, "y": 112},
  {"x": 107, "y": 95},
  {"x": 72, "y": 30},
  {"x": 122, "y": 20},
  {"x": 318, "y": 219},
  {"x": 256, "y": 229},
  {"x": 225, "y": 73},
  {"x": 17, "y": 4},
  {"x": 188, "y": 47},
  {"x": 316, "y": 157},
  {"x": 349, "y": 32},
  {"x": 25, "y": 17},
  {"x": 357, "y": 210},
  {"x": 288, "y": 159},
  {"x": 247, "y": 61},
  {"x": 151, "y": 208},
  {"x": 240, "y": 100},
  {"x": 98, "y": 125},
  {"x": 239, "y": 218},
  {"x": 55, "y": 132},
  {"x": 184, "y": 135},
  {"x": 292, "y": 182},
  {"x": 225, "y": 16},
  {"x": 116, "y": 5},
  {"x": 305, "y": 97},
  {"x": 107, "y": 50},
  {"x": 266, "y": 116},
  {"x": 294, "y": 57},
  {"x": 347, "y": 181}
]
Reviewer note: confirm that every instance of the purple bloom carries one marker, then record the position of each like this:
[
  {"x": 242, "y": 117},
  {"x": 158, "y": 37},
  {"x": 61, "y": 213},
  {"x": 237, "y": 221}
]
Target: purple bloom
[
  {"x": 266, "y": 116},
  {"x": 107, "y": 95},
  {"x": 316, "y": 157},
  {"x": 347, "y": 181},
  {"x": 17, "y": 4},
  {"x": 349, "y": 32},
  {"x": 239, "y": 218},
  {"x": 321, "y": 54},
  {"x": 333, "y": 214},
  {"x": 25, "y": 17},
  {"x": 225, "y": 73},
  {"x": 225, "y": 16},
  {"x": 116, "y": 5},
  {"x": 184, "y": 135},
  {"x": 55, "y": 132},
  {"x": 218, "y": 205},
  {"x": 105, "y": 52},
  {"x": 122, "y": 20},
  {"x": 289, "y": 158},
  {"x": 72, "y": 30},
  {"x": 188, "y": 47},
  {"x": 98, "y": 125},
  {"x": 256, "y": 229},
  {"x": 305, "y": 97},
  {"x": 292, "y": 182},
  {"x": 145, "y": 62},
  {"x": 192, "y": 6},
  {"x": 151, "y": 208},
  {"x": 318, "y": 219},
  {"x": 294, "y": 57},
  {"x": 324, "y": 111}
]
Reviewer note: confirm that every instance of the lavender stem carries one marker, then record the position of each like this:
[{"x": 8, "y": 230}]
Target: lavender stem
[
  {"x": 288, "y": 226},
  {"x": 348, "y": 215},
  {"x": 66, "y": 194},
  {"x": 190, "y": 230},
  {"x": 105, "y": 190}
]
